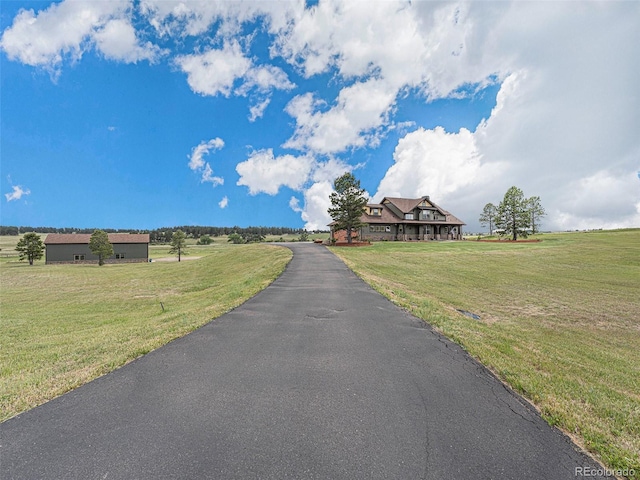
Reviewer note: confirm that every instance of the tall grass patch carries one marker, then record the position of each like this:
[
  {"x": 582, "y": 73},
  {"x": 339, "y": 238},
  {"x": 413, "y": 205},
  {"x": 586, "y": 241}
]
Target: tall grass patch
[
  {"x": 559, "y": 321},
  {"x": 63, "y": 325}
]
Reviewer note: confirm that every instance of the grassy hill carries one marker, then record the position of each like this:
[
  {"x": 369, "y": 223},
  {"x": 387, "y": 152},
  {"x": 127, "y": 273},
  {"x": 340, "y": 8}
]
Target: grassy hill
[
  {"x": 63, "y": 325},
  {"x": 559, "y": 321}
]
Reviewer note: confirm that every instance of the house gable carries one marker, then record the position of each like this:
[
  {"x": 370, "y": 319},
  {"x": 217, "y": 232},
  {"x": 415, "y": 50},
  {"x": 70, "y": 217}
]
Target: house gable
[{"x": 393, "y": 208}]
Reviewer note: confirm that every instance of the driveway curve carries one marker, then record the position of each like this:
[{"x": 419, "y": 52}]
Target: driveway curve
[{"x": 316, "y": 377}]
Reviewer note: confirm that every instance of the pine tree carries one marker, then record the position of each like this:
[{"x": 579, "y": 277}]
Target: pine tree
[
  {"x": 536, "y": 212},
  {"x": 348, "y": 202},
  {"x": 488, "y": 216},
  {"x": 30, "y": 247},
  {"x": 179, "y": 243},
  {"x": 100, "y": 245},
  {"x": 513, "y": 214}
]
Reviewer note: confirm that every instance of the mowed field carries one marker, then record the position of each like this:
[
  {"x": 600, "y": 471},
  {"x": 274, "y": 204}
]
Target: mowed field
[
  {"x": 63, "y": 325},
  {"x": 559, "y": 321}
]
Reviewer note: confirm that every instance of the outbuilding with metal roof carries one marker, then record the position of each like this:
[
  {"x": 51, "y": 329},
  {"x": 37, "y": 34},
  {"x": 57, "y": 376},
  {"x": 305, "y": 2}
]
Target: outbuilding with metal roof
[{"x": 74, "y": 248}]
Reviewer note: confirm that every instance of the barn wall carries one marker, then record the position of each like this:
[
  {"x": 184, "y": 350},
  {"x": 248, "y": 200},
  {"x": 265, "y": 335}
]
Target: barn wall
[{"x": 64, "y": 253}]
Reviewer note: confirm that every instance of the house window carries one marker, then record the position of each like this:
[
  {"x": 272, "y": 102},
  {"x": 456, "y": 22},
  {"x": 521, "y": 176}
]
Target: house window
[
  {"x": 119, "y": 256},
  {"x": 408, "y": 216},
  {"x": 375, "y": 211},
  {"x": 387, "y": 228},
  {"x": 78, "y": 258}
]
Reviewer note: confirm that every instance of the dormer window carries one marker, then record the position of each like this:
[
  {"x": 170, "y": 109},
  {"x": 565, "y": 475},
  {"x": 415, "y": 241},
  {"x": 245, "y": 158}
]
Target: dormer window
[
  {"x": 376, "y": 211},
  {"x": 408, "y": 216}
]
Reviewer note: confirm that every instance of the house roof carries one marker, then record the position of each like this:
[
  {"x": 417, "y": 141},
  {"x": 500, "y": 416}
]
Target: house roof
[
  {"x": 453, "y": 219},
  {"x": 386, "y": 216},
  {"x": 406, "y": 205},
  {"x": 80, "y": 238}
]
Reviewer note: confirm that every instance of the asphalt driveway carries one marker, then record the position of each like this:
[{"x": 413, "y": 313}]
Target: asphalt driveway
[{"x": 316, "y": 377}]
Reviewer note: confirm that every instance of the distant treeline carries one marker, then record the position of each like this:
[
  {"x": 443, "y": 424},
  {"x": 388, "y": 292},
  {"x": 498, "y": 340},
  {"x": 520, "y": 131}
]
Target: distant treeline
[{"x": 163, "y": 235}]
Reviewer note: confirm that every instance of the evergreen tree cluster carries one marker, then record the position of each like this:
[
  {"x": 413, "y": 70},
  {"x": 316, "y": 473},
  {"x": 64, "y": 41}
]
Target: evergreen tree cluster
[
  {"x": 515, "y": 216},
  {"x": 164, "y": 235}
]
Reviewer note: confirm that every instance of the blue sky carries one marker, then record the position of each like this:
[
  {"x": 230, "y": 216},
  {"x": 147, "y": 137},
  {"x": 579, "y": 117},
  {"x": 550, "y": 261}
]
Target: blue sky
[{"x": 121, "y": 114}]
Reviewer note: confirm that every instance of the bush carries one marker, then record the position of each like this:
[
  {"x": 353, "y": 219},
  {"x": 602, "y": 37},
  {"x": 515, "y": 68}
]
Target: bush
[{"x": 205, "y": 240}]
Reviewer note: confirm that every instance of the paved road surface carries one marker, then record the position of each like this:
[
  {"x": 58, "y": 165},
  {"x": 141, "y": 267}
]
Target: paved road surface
[{"x": 317, "y": 377}]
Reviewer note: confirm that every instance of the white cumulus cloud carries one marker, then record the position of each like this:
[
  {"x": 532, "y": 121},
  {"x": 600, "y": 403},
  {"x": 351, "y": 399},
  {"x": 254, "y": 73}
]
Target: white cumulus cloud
[
  {"x": 215, "y": 71},
  {"x": 330, "y": 169},
  {"x": 266, "y": 173},
  {"x": 565, "y": 120},
  {"x": 17, "y": 193},
  {"x": 257, "y": 111},
  {"x": 380, "y": 50},
  {"x": 265, "y": 78},
  {"x": 193, "y": 18},
  {"x": 435, "y": 163},
  {"x": 316, "y": 204},
  {"x": 588, "y": 202},
  {"x": 229, "y": 70},
  {"x": 353, "y": 121},
  {"x": 294, "y": 204},
  {"x": 198, "y": 164},
  {"x": 224, "y": 202},
  {"x": 117, "y": 40},
  {"x": 68, "y": 29}
]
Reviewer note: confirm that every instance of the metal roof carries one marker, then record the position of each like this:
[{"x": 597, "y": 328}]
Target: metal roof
[{"x": 83, "y": 238}]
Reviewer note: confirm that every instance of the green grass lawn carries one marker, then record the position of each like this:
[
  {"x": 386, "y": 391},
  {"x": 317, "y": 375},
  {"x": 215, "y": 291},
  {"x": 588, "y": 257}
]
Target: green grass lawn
[
  {"x": 560, "y": 321},
  {"x": 63, "y": 325}
]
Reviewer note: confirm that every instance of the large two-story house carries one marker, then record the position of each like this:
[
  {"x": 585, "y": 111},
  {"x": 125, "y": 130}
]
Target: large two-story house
[{"x": 405, "y": 219}]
